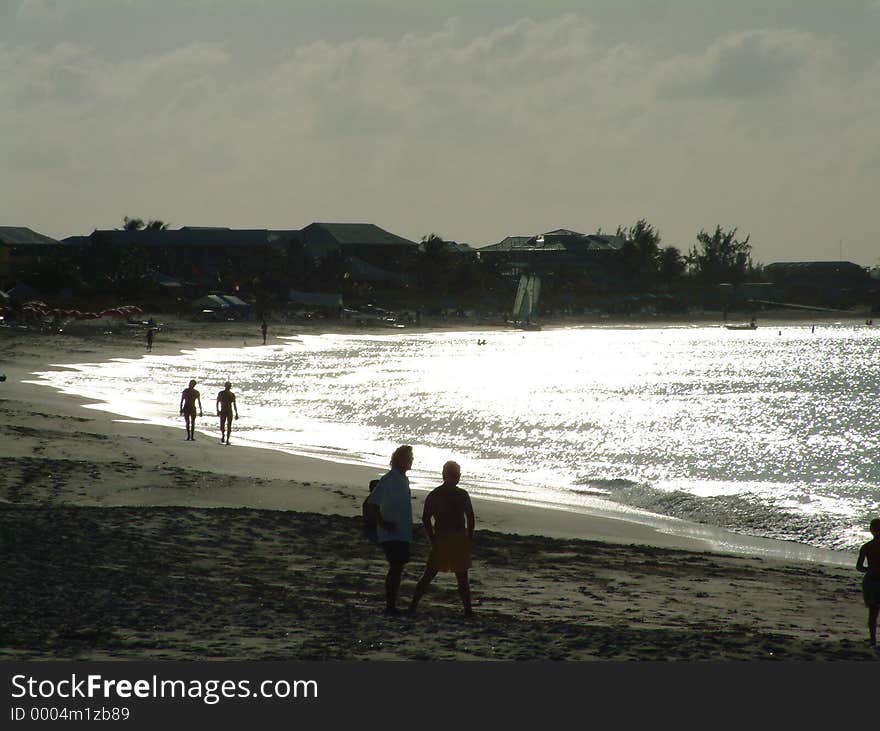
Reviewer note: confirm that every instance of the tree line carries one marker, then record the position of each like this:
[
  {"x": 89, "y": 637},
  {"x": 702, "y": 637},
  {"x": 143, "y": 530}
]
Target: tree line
[{"x": 440, "y": 273}]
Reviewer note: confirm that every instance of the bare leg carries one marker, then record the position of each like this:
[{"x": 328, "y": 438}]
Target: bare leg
[
  {"x": 464, "y": 591},
  {"x": 421, "y": 588}
]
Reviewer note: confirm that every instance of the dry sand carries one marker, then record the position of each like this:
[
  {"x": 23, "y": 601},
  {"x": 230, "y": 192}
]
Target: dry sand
[{"x": 123, "y": 541}]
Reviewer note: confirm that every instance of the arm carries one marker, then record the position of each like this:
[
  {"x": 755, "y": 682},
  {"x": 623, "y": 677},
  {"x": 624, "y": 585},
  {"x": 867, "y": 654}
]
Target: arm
[
  {"x": 469, "y": 517},
  {"x": 235, "y": 406},
  {"x": 374, "y": 513},
  {"x": 217, "y": 405},
  {"x": 427, "y": 514},
  {"x": 860, "y": 564},
  {"x": 199, "y": 399},
  {"x": 182, "y": 399}
]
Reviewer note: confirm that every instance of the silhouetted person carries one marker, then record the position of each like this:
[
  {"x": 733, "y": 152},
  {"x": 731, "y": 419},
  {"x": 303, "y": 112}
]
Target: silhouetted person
[
  {"x": 225, "y": 407},
  {"x": 390, "y": 506},
  {"x": 263, "y": 328},
  {"x": 451, "y": 535},
  {"x": 150, "y": 332},
  {"x": 869, "y": 564},
  {"x": 188, "y": 400}
]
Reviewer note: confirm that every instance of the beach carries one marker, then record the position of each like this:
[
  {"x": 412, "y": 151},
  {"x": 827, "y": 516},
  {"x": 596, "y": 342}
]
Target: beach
[{"x": 123, "y": 541}]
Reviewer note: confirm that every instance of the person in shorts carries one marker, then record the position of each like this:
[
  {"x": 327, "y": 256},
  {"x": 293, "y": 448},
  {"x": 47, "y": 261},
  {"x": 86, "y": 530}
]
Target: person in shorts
[
  {"x": 448, "y": 518},
  {"x": 225, "y": 407},
  {"x": 189, "y": 397}
]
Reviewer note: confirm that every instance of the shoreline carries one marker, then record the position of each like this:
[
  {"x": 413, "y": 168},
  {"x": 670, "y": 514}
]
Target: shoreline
[
  {"x": 347, "y": 480},
  {"x": 122, "y": 541}
]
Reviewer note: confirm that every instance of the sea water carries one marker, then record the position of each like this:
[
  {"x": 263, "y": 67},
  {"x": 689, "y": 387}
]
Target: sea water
[{"x": 771, "y": 432}]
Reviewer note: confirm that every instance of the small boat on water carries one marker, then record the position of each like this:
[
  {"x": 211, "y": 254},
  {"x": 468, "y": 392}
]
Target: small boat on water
[{"x": 752, "y": 325}]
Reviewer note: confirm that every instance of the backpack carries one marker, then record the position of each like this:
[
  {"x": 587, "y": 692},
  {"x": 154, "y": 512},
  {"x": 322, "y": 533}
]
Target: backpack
[{"x": 369, "y": 526}]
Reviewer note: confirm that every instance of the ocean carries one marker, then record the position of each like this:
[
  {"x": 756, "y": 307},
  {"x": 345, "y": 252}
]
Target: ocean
[{"x": 770, "y": 433}]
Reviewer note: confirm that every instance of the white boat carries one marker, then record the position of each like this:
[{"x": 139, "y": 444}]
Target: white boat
[{"x": 526, "y": 302}]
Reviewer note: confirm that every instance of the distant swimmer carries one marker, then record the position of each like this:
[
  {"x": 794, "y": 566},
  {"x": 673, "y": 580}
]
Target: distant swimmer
[
  {"x": 449, "y": 523},
  {"x": 263, "y": 329},
  {"x": 188, "y": 400},
  {"x": 869, "y": 565},
  {"x": 225, "y": 407},
  {"x": 150, "y": 333}
]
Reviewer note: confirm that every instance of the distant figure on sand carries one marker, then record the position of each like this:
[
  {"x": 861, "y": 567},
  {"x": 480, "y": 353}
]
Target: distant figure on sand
[
  {"x": 869, "y": 564},
  {"x": 188, "y": 400},
  {"x": 451, "y": 535},
  {"x": 225, "y": 407},
  {"x": 150, "y": 332},
  {"x": 263, "y": 328},
  {"x": 390, "y": 506}
]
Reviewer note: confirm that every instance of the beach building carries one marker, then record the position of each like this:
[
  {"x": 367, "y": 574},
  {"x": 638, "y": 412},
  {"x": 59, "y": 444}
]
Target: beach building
[
  {"x": 194, "y": 253},
  {"x": 549, "y": 250},
  {"x": 22, "y": 251},
  {"x": 561, "y": 250},
  {"x": 361, "y": 241}
]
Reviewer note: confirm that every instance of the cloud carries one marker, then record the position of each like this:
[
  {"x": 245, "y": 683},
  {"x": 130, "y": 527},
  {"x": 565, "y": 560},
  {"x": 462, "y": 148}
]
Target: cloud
[
  {"x": 42, "y": 12},
  {"x": 751, "y": 63},
  {"x": 530, "y": 125}
]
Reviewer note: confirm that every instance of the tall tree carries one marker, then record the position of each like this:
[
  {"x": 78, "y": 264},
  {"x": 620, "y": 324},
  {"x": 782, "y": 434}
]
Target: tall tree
[
  {"x": 671, "y": 265},
  {"x": 640, "y": 253},
  {"x": 721, "y": 257},
  {"x": 434, "y": 263}
]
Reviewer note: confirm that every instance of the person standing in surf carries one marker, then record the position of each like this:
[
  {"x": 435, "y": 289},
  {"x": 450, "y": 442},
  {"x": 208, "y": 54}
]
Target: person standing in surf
[
  {"x": 225, "y": 407},
  {"x": 189, "y": 397},
  {"x": 869, "y": 565}
]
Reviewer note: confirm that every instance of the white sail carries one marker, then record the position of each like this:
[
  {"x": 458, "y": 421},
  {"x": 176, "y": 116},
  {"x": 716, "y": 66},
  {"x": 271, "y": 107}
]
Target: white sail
[
  {"x": 526, "y": 301},
  {"x": 520, "y": 294}
]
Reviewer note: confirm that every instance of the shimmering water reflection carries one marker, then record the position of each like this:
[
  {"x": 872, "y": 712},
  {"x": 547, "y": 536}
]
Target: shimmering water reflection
[{"x": 772, "y": 432}]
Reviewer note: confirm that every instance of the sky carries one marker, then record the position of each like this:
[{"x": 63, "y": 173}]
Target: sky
[{"x": 471, "y": 119}]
